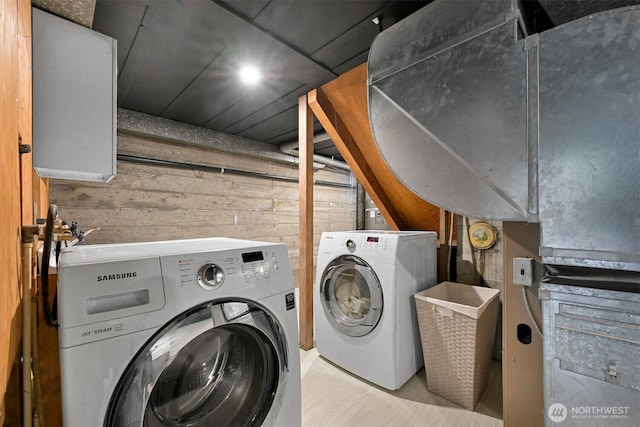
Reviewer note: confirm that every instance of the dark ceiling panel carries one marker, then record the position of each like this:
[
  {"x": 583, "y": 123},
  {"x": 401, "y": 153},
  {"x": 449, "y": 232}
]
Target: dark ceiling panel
[
  {"x": 349, "y": 47},
  {"x": 291, "y": 136},
  {"x": 178, "y": 59},
  {"x": 276, "y": 107},
  {"x": 174, "y": 44},
  {"x": 309, "y": 25},
  {"x": 273, "y": 127},
  {"x": 257, "y": 99},
  {"x": 218, "y": 89},
  {"x": 248, "y": 9},
  {"x": 396, "y": 11},
  {"x": 342, "y": 49},
  {"x": 352, "y": 63},
  {"x": 213, "y": 91},
  {"x": 203, "y": 47},
  {"x": 120, "y": 20}
]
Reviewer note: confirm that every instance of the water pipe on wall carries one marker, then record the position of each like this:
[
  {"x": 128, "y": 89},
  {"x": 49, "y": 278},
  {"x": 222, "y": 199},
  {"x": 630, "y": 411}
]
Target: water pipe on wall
[
  {"x": 54, "y": 230},
  {"x": 28, "y": 242},
  {"x": 291, "y": 148}
]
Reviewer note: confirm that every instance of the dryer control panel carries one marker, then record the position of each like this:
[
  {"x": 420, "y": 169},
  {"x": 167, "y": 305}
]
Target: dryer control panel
[{"x": 368, "y": 244}]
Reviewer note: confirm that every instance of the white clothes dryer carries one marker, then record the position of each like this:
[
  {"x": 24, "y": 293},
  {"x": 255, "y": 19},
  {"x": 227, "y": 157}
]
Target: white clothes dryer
[
  {"x": 178, "y": 333},
  {"x": 365, "y": 316}
]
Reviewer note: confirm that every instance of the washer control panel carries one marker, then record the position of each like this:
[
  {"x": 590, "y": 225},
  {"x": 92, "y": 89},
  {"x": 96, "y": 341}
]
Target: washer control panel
[
  {"x": 212, "y": 273},
  {"x": 210, "y": 276},
  {"x": 258, "y": 265}
]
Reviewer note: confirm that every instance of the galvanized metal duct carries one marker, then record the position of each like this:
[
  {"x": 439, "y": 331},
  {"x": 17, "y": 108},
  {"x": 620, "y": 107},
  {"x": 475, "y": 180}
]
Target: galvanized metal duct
[
  {"x": 476, "y": 118},
  {"x": 589, "y": 149},
  {"x": 447, "y": 105}
]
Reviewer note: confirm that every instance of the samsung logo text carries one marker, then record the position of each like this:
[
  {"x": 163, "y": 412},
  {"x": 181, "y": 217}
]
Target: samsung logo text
[{"x": 117, "y": 276}]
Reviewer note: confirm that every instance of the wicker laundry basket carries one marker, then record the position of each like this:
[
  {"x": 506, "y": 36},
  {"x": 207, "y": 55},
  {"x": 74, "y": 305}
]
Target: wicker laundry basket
[{"x": 457, "y": 329}]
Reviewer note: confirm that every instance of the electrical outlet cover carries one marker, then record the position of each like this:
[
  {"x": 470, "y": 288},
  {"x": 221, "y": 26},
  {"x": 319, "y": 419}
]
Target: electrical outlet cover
[{"x": 523, "y": 271}]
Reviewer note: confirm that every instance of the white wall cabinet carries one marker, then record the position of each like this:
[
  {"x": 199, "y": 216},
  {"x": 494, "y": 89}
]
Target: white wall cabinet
[{"x": 74, "y": 100}]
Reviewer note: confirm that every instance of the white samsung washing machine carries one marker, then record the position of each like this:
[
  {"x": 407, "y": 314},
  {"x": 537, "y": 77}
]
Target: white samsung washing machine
[
  {"x": 178, "y": 333},
  {"x": 365, "y": 316}
]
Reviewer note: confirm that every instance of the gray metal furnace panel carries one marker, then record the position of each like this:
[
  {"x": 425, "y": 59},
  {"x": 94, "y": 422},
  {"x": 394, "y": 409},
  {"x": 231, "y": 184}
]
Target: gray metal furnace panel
[
  {"x": 589, "y": 148},
  {"x": 591, "y": 347},
  {"x": 74, "y": 100},
  {"x": 451, "y": 120}
]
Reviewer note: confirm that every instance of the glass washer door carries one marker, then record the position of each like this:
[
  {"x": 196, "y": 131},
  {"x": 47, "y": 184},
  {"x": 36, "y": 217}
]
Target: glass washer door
[
  {"x": 219, "y": 364},
  {"x": 351, "y": 295}
]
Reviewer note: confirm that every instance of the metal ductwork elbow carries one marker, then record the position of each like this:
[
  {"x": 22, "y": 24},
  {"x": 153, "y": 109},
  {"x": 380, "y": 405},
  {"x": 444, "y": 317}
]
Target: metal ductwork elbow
[{"x": 474, "y": 116}]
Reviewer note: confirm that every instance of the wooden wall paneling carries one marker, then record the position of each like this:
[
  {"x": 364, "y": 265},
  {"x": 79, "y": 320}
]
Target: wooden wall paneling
[
  {"x": 25, "y": 126},
  {"x": 10, "y": 244},
  {"x": 341, "y": 107},
  {"x": 11, "y": 415},
  {"x": 521, "y": 363},
  {"x": 305, "y": 147},
  {"x": 25, "y": 108},
  {"x": 40, "y": 194}
]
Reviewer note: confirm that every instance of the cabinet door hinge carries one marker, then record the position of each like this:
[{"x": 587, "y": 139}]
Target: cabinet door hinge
[{"x": 23, "y": 148}]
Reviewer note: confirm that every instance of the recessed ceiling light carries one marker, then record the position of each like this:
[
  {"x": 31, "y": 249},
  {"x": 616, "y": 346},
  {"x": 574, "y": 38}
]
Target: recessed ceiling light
[{"x": 250, "y": 75}]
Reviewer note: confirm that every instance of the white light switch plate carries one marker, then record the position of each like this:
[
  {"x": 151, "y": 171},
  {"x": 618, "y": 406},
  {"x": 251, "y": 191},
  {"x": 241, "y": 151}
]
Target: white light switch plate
[{"x": 523, "y": 271}]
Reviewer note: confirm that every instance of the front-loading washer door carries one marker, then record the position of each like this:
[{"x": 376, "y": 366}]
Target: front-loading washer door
[
  {"x": 351, "y": 296},
  {"x": 223, "y": 363}
]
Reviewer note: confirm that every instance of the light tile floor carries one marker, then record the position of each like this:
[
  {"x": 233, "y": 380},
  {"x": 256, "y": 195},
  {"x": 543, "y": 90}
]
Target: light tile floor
[{"x": 336, "y": 398}]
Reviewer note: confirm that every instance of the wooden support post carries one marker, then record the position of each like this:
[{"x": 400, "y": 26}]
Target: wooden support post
[
  {"x": 341, "y": 107},
  {"x": 522, "y": 365},
  {"x": 446, "y": 231},
  {"x": 443, "y": 248},
  {"x": 345, "y": 142},
  {"x": 305, "y": 147}
]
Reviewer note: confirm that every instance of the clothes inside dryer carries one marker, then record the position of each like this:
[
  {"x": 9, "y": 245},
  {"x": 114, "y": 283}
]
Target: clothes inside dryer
[
  {"x": 352, "y": 295},
  {"x": 353, "y": 298}
]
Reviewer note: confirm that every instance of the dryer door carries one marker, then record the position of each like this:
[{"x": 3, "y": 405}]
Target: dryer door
[
  {"x": 351, "y": 295},
  {"x": 222, "y": 363}
]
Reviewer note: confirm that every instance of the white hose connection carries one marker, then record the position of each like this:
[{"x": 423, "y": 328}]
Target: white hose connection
[
  {"x": 449, "y": 243},
  {"x": 529, "y": 312}
]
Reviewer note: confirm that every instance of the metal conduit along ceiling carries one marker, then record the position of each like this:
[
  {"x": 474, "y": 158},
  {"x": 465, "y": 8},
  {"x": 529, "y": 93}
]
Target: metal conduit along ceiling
[{"x": 179, "y": 59}]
